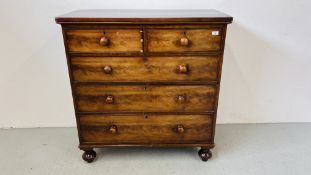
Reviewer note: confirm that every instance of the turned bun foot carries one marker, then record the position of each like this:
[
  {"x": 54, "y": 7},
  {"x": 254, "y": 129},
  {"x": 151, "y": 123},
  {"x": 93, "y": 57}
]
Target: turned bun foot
[
  {"x": 89, "y": 155},
  {"x": 205, "y": 154}
]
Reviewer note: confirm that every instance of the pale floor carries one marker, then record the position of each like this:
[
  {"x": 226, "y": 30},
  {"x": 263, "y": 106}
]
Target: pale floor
[{"x": 249, "y": 149}]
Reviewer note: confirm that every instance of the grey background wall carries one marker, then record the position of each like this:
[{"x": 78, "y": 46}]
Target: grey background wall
[{"x": 266, "y": 73}]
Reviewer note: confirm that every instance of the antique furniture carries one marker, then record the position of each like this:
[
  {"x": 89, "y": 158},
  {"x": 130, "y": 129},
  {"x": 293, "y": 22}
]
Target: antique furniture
[{"x": 145, "y": 77}]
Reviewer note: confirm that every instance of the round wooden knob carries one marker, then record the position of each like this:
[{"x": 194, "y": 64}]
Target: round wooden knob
[
  {"x": 109, "y": 99},
  {"x": 183, "y": 68},
  {"x": 184, "y": 41},
  {"x": 181, "y": 98},
  {"x": 113, "y": 129},
  {"x": 104, "y": 41},
  {"x": 180, "y": 128},
  {"x": 107, "y": 69}
]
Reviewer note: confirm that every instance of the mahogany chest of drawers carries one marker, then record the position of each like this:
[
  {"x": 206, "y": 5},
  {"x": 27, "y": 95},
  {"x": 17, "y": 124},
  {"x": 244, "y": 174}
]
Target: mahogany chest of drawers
[{"x": 145, "y": 77}]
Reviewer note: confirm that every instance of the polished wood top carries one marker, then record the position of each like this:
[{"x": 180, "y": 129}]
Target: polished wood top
[{"x": 127, "y": 15}]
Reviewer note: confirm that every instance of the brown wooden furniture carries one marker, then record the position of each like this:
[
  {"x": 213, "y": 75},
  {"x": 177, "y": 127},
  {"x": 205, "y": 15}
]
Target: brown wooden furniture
[{"x": 145, "y": 77}]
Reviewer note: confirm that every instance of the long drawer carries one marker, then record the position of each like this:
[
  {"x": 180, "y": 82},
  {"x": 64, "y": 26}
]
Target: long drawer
[
  {"x": 190, "y": 68},
  {"x": 151, "y": 98},
  {"x": 143, "y": 129}
]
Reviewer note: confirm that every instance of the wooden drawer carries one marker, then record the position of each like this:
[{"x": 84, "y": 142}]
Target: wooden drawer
[
  {"x": 188, "y": 40},
  {"x": 121, "y": 129},
  {"x": 152, "y": 98},
  {"x": 192, "y": 68},
  {"x": 126, "y": 40}
]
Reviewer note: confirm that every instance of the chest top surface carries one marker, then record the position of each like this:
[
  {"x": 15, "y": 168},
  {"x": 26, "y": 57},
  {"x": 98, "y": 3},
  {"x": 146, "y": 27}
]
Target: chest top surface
[{"x": 127, "y": 15}]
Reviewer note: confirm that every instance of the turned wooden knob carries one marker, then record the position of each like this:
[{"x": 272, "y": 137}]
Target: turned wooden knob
[
  {"x": 183, "y": 68},
  {"x": 104, "y": 41},
  {"x": 107, "y": 69},
  {"x": 184, "y": 41},
  {"x": 109, "y": 99},
  {"x": 113, "y": 129},
  {"x": 181, "y": 98},
  {"x": 180, "y": 128}
]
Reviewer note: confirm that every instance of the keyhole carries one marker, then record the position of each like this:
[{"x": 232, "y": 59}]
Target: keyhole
[
  {"x": 145, "y": 87},
  {"x": 146, "y": 116}
]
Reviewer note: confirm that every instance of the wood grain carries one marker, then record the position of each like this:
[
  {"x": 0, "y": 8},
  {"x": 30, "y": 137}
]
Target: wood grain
[
  {"x": 141, "y": 16},
  {"x": 198, "y": 68},
  {"x": 152, "y": 98},
  {"x": 146, "y": 129},
  {"x": 91, "y": 145},
  {"x": 168, "y": 40},
  {"x": 126, "y": 40}
]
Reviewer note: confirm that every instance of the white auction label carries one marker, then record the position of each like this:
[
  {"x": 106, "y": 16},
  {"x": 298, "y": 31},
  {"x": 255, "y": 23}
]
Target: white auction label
[{"x": 215, "y": 32}]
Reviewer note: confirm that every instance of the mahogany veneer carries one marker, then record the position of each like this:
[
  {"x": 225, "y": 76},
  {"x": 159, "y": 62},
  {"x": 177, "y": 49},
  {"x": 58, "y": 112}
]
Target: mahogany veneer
[{"x": 145, "y": 77}]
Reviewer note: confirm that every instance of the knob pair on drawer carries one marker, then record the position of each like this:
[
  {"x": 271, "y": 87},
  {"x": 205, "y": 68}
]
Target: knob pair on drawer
[
  {"x": 183, "y": 41},
  {"x": 113, "y": 129},
  {"x": 180, "y": 99},
  {"x": 183, "y": 68}
]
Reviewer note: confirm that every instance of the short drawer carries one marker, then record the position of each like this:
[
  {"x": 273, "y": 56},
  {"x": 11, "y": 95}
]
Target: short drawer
[
  {"x": 191, "y": 68},
  {"x": 188, "y": 40},
  {"x": 126, "y": 40},
  {"x": 131, "y": 129},
  {"x": 141, "y": 98}
]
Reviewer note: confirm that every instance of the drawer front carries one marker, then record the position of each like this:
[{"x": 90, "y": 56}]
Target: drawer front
[
  {"x": 189, "y": 40},
  {"x": 192, "y": 68},
  {"x": 152, "y": 98},
  {"x": 104, "y": 40},
  {"x": 146, "y": 129}
]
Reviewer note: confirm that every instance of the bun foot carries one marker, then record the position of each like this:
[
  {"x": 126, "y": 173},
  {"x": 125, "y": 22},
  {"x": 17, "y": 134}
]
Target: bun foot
[
  {"x": 89, "y": 155},
  {"x": 205, "y": 154}
]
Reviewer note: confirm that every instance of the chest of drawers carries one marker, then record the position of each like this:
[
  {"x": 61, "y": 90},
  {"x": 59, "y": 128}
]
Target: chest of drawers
[{"x": 145, "y": 77}]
